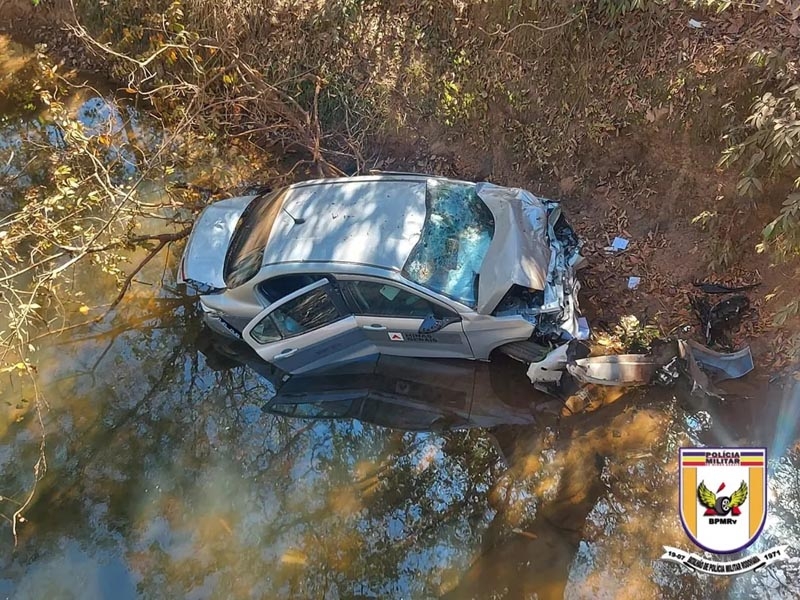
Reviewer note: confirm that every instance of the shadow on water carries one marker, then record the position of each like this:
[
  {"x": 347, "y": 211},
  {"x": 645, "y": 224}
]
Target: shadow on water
[{"x": 171, "y": 476}]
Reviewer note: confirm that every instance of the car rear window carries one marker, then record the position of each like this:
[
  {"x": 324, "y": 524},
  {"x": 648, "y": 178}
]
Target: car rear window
[
  {"x": 454, "y": 241},
  {"x": 246, "y": 251}
]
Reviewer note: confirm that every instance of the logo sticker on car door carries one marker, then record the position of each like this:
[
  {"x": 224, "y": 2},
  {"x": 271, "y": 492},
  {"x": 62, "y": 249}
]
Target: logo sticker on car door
[{"x": 396, "y": 336}]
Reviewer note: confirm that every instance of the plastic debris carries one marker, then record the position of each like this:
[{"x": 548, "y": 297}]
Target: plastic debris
[
  {"x": 619, "y": 244},
  {"x": 695, "y": 24},
  {"x": 704, "y": 367},
  {"x": 633, "y": 282},
  {"x": 716, "y": 319},
  {"x": 583, "y": 328},
  {"x": 718, "y": 288},
  {"x": 620, "y": 369},
  {"x": 719, "y": 366},
  {"x": 551, "y": 368}
]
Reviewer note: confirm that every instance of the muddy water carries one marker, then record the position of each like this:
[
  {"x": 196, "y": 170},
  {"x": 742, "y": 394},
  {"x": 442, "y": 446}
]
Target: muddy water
[{"x": 166, "y": 479}]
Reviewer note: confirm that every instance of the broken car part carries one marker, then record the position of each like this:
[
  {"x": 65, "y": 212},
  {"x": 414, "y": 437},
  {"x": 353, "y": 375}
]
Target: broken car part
[
  {"x": 716, "y": 319},
  {"x": 703, "y": 365},
  {"x": 706, "y": 366},
  {"x": 620, "y": 369},
  {"x": 718, "y": 288}
]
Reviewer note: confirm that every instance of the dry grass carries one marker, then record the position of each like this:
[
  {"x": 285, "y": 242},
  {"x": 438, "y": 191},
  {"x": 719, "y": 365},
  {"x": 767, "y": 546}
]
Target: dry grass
[{"x": 552, "y": 77}]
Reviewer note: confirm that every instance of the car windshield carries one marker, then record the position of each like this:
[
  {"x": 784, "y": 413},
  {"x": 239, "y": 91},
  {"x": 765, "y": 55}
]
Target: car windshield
[
  {"x": 246, "y": 250},
  {"x": 455, "y": 237}
]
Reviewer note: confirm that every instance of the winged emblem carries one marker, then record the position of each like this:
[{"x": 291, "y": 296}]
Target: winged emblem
[{"x": 721, "y": 505}]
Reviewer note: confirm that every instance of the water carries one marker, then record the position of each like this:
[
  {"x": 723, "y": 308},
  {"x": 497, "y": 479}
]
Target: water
[{"x": 166, "y": 478}]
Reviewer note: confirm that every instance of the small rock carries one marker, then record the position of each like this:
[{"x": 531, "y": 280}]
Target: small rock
[{"x": 567, "y": 185}]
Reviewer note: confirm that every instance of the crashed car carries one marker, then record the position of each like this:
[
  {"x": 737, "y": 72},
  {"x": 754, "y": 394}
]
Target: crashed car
[{"x": 328, "y": 271}]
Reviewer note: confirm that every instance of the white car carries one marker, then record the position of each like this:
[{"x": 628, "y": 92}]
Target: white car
[{"x": 328, "y": 271}]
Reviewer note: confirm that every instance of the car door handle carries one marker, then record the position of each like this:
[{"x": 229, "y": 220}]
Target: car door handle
[
  {"x": 286, "y": 353},
  {"x": 374, "y": 327}
]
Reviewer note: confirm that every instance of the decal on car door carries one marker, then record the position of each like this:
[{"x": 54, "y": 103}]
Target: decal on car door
[
  {"x": 422, "y": 337},
  {"x": 396, "y": 336}
]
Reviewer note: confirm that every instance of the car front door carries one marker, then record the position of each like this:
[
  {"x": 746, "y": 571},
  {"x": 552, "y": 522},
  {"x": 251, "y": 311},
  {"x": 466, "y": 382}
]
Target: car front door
[
  {"x": 391, "y": 315},
  {"x": 308, "y": 329}
]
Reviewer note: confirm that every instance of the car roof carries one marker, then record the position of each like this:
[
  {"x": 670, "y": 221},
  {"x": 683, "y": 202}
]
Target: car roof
[{"x": 372, "y": 220}]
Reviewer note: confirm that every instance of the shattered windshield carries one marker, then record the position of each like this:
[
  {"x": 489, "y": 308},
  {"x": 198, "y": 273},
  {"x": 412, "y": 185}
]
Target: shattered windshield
[
  {"x": 455, "y": 237},
  {"x": 246, "y": 250}
]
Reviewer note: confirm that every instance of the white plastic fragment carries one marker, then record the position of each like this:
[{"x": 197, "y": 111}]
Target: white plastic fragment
[
  {"x": 619, "y": 243},
  {"x": 549, "y": 369},
  {"x": 695, "y": 24},
  {"x": 633, "y": 282},
  {"x": 583, "y": 328}
]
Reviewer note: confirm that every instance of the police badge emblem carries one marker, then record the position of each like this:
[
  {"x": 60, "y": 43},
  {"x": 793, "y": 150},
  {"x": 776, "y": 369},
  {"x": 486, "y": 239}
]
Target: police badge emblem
[
  {"x": 723, "y": 507},
  {"x": 717, "y": 521}
]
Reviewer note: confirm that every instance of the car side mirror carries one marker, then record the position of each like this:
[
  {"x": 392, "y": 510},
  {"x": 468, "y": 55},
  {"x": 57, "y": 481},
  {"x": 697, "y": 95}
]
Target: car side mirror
[{"x": 431, "y": 324}]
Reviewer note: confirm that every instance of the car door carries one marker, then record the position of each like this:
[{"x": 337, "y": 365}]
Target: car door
[
  {"x": 391, "y": 315},
  {"x": 308, "y": 329}
]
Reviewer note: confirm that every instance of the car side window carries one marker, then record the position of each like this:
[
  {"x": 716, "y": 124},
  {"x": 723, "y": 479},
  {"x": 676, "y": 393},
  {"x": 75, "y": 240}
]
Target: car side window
[
  {"x": 305, "y": 313},
  {"x": 266, "y": 331},
  {"x": 386, "y": 300}
]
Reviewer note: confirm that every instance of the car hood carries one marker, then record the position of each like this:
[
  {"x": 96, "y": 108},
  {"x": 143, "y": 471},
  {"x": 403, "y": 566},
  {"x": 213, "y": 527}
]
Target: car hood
[
  {"x": 520, "y": 251},
  {"x": 204, "y": 258}
]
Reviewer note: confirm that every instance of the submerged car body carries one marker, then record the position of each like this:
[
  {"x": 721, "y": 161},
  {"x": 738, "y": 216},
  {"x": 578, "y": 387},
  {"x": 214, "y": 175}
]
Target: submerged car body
[
  {"x": 411, "y": 394},
  {"x": 329, "y": 271}
]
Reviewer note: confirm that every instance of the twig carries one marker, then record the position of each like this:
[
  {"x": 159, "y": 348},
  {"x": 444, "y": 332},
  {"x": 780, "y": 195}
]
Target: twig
[
  {"x": 502, "y": 33},
  {"x": 38, "y": 468},
  {"x": 163, "y": 240}
]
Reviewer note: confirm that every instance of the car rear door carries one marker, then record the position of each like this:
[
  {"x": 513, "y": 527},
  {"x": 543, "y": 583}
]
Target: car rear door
[
  {"x": 308, "y": 329},
  {"x": 391, "y": 315}
]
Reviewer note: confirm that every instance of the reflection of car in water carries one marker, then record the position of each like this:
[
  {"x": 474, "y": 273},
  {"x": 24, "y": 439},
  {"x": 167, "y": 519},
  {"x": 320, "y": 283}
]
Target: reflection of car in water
[
  {"x": 398, "y": 392},
  {"x": 330, "y": 271}
]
